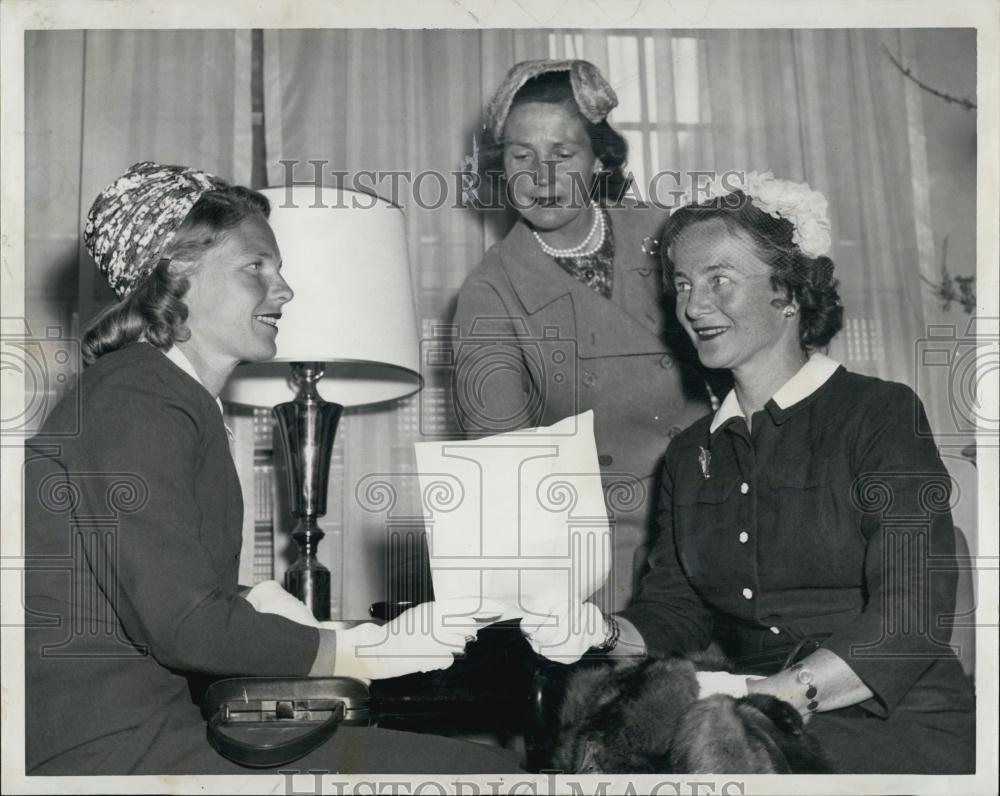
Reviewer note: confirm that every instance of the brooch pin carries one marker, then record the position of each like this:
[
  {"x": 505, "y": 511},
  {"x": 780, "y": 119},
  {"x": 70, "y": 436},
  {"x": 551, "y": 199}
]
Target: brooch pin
[{"x": 705, "y": 460}]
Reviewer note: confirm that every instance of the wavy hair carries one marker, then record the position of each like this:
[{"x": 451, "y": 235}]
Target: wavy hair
[
  {"x": 806, "y": 281},
  {"x": 155, "y": 310}
]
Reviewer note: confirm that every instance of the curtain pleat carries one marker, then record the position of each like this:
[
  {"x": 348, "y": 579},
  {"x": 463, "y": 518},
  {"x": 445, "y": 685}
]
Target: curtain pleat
[
  {"x": 667, "y": 149},
  {"x": 241, "y": 168},
  {"x": 53, "y": 109}
]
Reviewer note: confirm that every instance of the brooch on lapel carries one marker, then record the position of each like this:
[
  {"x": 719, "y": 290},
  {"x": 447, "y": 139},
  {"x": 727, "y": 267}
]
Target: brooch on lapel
[{"x": 705, "y": 460}]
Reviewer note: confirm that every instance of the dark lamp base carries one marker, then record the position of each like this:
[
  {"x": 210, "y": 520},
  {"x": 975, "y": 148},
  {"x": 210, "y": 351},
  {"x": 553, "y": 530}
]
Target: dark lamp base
[{"x": 310, "y": 582}]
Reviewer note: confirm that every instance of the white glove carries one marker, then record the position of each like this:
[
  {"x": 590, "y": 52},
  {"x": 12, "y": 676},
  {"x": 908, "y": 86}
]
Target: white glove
[
  {"x": 270, "y": 598},
  {"x": 565, "y": 631},
  {"x": 421, "y": 639},
  {"x": 734, "y": 685}
]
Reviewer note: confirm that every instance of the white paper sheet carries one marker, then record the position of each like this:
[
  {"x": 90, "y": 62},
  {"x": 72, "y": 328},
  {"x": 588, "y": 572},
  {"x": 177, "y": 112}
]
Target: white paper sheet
[{"x": 518, "y": 517}]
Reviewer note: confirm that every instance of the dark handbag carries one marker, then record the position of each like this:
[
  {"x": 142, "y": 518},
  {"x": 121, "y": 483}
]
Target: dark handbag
[{"x": 263, "y": 722}]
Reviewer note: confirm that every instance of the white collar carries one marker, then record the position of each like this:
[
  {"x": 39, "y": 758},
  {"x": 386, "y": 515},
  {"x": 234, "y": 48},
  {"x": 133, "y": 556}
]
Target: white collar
[
  {"x": 809, "y": 378},
  {"x": 179, "y": 358}
]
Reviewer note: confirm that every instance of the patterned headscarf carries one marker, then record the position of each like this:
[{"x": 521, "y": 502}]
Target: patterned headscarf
[
  {"x": 593, "y": 94},
  {"x": 133, "y": 219}
]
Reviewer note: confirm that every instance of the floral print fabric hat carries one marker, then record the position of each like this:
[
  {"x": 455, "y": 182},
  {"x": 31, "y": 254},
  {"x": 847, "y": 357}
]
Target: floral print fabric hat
[{"x": 133, "y": 219}]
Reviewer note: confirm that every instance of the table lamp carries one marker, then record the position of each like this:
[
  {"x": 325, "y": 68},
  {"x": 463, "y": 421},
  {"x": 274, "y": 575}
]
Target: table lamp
[{"x": 348, "y": 338}]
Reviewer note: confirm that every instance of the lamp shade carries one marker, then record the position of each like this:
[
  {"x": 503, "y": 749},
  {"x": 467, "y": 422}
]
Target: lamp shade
[{"x": 344, "y": 254}]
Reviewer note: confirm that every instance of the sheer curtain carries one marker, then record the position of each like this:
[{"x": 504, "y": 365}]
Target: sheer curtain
[
  {"x": 381, "y": 101},
  {"x": 97, "y": 102},
  {"x": 171, "y": 96},
  {"x": 823, "y": 106},
  {"x": 819, "y": 106}
]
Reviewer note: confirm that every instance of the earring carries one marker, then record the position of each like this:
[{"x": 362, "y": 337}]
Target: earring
[{"x": 789, "y": 312}]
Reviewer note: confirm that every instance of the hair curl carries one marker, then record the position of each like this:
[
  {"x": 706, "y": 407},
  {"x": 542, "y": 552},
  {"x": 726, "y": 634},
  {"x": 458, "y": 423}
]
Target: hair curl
[
  {"x": 155, "y": 310},
  {"x": 806, "y": 281},
  {"x": 610, "y": 184}
]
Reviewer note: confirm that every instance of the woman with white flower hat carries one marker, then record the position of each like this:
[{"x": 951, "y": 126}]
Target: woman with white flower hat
[
  {"x": 801, "y": 520},
  {"x": 134, "y": 513}
]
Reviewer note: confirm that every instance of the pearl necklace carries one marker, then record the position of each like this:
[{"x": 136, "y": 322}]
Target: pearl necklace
[{"x": 580, "y": 250}]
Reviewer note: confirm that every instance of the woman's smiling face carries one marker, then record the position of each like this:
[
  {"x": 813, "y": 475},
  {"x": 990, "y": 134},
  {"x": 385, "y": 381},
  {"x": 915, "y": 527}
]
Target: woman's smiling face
[
  {"x": 236, "y": 293},
  {"x": 549, "y": 164},
  {"x": 725, "y": 300}
]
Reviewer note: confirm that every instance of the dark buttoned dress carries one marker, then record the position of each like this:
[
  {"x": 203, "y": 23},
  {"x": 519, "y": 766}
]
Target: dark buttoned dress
[
  {"x": 829, "y": 520},
  {"x": 133, "y": 533},
  {"x": 535, "y": 345}
]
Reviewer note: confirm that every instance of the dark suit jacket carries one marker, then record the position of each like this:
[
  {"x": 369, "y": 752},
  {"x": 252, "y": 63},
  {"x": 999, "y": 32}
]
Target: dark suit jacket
[
  {"x": 536, "y": 345},
  {"x": 133, "y": 534},
  {"x": 135, "y": 524}
]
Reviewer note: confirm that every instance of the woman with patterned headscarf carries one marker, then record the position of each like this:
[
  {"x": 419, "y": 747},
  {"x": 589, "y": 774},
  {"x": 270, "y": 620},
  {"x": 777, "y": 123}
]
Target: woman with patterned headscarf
[
  {"x": 142, "y": 509},
  {"x": 567, "y": 312}
]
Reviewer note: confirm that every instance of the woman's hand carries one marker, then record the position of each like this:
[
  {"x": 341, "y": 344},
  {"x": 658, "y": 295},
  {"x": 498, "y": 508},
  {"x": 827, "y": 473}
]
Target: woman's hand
[
  {"x": 270, "y": 598},
  {"x": 734, "y": 685},
  {"x": 822, "y": 681},
  {"x": 565, "y": 631},
  {"x": 426, "y": 637}
]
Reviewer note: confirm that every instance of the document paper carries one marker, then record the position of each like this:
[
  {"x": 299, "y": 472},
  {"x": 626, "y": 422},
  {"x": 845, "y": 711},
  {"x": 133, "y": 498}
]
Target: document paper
[{"x": 518, "y": 517}]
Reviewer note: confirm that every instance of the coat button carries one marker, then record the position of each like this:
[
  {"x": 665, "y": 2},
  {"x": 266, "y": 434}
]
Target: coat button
[
  {"x": 744, "y": 537},
  {"x": 744, "y": 488},
  {"x": 666, "y": 362},
  {"x": 589, "y": 379},
  {"x": 775, "y": 630},
  {"x": 748, "y": 594},
  {"x": 605, "y": 460}
]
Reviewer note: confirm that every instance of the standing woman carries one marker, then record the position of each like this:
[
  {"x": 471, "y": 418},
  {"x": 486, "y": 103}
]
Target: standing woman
[
  {"x": 806, "y": 526},
  {"x": 566, "y": 313},
  {"x": 134, "y": 512}
]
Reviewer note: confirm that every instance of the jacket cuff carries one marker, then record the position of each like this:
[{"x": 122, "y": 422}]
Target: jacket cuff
[
  {"x": 889, "y": 667},
  {"x": 662, "y": 636}
]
